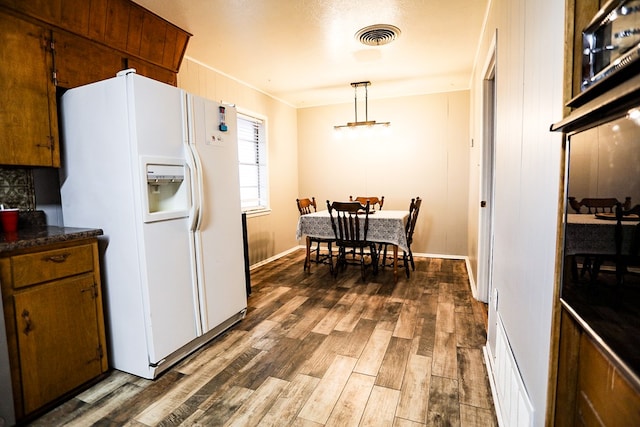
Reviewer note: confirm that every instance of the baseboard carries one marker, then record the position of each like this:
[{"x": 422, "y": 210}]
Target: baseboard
[
  {"x": 472, "y": 283},
  {"x": 275, "y": 257},
  {"x": 443, "y": 256},
  {"x": 417, "y": 255},
  {"x": 488, "y": 361}
]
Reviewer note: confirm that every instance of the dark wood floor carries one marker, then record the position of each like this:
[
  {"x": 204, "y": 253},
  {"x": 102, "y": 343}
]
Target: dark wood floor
[{"x": 319, "y": 351}]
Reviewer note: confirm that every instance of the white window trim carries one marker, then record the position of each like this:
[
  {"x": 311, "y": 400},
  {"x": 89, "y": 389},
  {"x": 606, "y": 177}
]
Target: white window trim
[{"x": 266, "y": 209}]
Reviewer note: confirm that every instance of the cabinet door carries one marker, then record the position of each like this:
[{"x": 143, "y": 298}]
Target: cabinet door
[
  {"x": 79, "y": 61},
  {"x": 57, "y": 327},
  {"x": 152, "y": 71},
  {"x": 28, "y": 123}
]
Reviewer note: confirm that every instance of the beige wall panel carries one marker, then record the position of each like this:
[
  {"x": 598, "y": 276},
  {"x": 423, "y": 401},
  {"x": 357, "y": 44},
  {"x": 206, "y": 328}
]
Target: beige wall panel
[{"x": 425, "y": 154}]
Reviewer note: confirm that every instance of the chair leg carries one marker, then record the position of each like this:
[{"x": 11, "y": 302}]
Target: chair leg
[
  {"x": 405, "y": 262},
  {"x": 586, "y": 266},
  {"x": 317, "y": 252},
  {"x": 384, "y": 257},
  {"x": 374, "y": 259},
  {"x": 307, "y": 259},
  {"x": 413, "y": 265},
  {"x": 330, "y": 257},
  {"x": 340, "y": 260}
]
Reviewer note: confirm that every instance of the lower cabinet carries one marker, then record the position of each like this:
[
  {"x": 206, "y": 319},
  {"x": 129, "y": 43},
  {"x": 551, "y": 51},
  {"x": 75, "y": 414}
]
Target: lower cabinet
[
  {"x": 603, "y": 394},
  {"x": 54, "y": 320},
  {"x": 592, "y": 389}
]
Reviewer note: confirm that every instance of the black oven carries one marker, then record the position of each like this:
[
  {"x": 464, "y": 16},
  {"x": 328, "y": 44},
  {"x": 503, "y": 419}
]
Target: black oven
[{"x": 603, "y": 162}]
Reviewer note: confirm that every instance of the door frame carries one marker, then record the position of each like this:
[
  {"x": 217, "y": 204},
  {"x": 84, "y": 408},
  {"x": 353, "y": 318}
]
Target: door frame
[{"x": 487, "y": 175}]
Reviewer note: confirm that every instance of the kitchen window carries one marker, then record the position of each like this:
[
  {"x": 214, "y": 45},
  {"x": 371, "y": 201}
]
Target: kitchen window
[{"x": 252, "y": 156}]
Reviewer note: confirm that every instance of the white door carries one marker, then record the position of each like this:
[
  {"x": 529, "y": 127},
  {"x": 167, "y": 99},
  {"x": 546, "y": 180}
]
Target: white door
[{"x": 219, "y": 244}]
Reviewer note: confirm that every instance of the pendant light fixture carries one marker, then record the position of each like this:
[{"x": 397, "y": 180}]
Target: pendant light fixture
[{"x": 366, "y": 122}]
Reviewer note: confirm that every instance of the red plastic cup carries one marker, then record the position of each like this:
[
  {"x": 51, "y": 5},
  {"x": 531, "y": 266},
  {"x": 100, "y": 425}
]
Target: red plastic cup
[{"x": 9, "y": 219}]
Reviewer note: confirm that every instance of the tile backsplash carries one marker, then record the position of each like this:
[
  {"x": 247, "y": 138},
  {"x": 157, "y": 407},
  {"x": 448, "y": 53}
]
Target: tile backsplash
[{"x": 17, "y": 188}]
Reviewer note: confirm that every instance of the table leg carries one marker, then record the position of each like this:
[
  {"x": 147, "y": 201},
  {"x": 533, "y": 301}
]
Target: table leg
[
  {"x": 307, "y": 260},
  {"x": 395, "y": 263}
]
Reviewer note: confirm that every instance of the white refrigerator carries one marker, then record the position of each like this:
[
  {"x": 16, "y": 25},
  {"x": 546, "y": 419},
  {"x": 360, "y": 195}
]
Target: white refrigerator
[{"x": 157, "y": 170}]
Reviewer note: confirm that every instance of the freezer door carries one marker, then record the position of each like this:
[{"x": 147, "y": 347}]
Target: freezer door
[
  {"x": 169, "y": 296},
  {"x": 219, "y": 249}
]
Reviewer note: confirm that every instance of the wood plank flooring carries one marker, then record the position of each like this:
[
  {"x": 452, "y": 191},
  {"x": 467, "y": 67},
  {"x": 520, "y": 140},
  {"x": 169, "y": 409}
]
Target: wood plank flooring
[{"x": 319, "y": 351}]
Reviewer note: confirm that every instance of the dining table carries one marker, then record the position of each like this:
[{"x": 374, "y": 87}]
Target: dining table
[
  {"x": 595, "y": 235},
  {"x": 385, "y": 226},
  {"x": 590, "y": 234}
]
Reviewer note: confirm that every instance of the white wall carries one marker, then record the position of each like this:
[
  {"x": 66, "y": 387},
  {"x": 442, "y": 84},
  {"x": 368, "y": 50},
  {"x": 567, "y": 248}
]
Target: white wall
[
  {"x": 425, "y": 154},
  {"x": 529, "y": 73}
]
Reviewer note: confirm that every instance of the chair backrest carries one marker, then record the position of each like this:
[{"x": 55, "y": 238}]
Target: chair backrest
[
  {"x": 414, "y": 209},
  {"x": 596, "y": 205},
  {"x": 373, "y": 201},
  {"x": 621, "y": 212},
  {"x": 348, "y": 223},
  {"x": 305, "y": 205}
]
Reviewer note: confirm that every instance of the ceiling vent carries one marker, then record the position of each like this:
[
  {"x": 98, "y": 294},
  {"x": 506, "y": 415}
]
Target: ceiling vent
[{"x": 378, "y": 35}]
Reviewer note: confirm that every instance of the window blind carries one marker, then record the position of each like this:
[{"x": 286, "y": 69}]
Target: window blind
[{"x": 252, "y": 160}]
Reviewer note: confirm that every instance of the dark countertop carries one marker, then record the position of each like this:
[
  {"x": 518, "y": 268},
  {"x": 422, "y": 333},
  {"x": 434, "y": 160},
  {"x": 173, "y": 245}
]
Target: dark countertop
[{"x": 43, "y": 235}]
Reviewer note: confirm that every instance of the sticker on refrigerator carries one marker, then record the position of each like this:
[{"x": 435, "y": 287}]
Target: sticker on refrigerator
[{"x": 223, "y": 125}]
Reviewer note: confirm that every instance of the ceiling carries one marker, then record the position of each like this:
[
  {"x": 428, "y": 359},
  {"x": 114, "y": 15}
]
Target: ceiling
[{"x": 305, "y": 53}]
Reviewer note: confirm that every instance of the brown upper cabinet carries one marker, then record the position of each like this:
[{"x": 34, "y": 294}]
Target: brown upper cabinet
[
  {"x": 79, "y": 61},
  {"x": 118, "y": 24},
  {"x": 69, "y": 43},
  {"x": 29, "y": 122}
]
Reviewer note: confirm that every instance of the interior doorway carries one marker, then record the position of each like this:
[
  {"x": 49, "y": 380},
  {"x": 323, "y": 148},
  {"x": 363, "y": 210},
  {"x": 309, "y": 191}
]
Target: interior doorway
[{"x": 487, "y": 179}]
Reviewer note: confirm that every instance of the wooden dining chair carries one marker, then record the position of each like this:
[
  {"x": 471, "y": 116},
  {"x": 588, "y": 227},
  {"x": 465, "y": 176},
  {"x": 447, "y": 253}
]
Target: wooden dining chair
[
  {"x": 350, "y": 226},
  {"x": 592, "y": 264},
  {"x": 596, "y": 205},
  {"x": 626, "y": 258},
  {"x": 407, "y": 257},
  {"x": 373, "y": 201},
  {"x": 316, "y": 255}
]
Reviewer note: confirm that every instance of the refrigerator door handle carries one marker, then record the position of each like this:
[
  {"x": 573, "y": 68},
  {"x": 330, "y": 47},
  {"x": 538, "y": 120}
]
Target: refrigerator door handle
[{"x": 195, "y": 167}]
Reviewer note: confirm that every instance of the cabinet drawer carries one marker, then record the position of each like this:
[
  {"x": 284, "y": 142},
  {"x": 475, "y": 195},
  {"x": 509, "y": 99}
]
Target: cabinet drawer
[{"x": 43, "y": 266}]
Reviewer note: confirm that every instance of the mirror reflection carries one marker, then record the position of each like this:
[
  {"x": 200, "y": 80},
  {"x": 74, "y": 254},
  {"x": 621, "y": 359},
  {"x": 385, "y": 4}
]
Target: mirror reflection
[{"x": 601, "y": 281}]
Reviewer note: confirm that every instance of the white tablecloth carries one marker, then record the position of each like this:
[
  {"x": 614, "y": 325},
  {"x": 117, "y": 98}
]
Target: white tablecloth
[
  {"x": 384, "y": 227},
  {"x": 586, "y": 234}
]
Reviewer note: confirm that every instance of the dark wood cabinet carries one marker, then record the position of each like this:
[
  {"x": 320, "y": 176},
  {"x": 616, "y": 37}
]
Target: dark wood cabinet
[
  {"x": 29, "y": 121},
  {"x": 53, "y": 312},
  {"x": 592, "y": 388},
  {"x": 152, "y": 71},
  {"x": 79, "y": 61},
  {"x": 118, "y": 24},
  {"x": 46, "y": 44}
]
